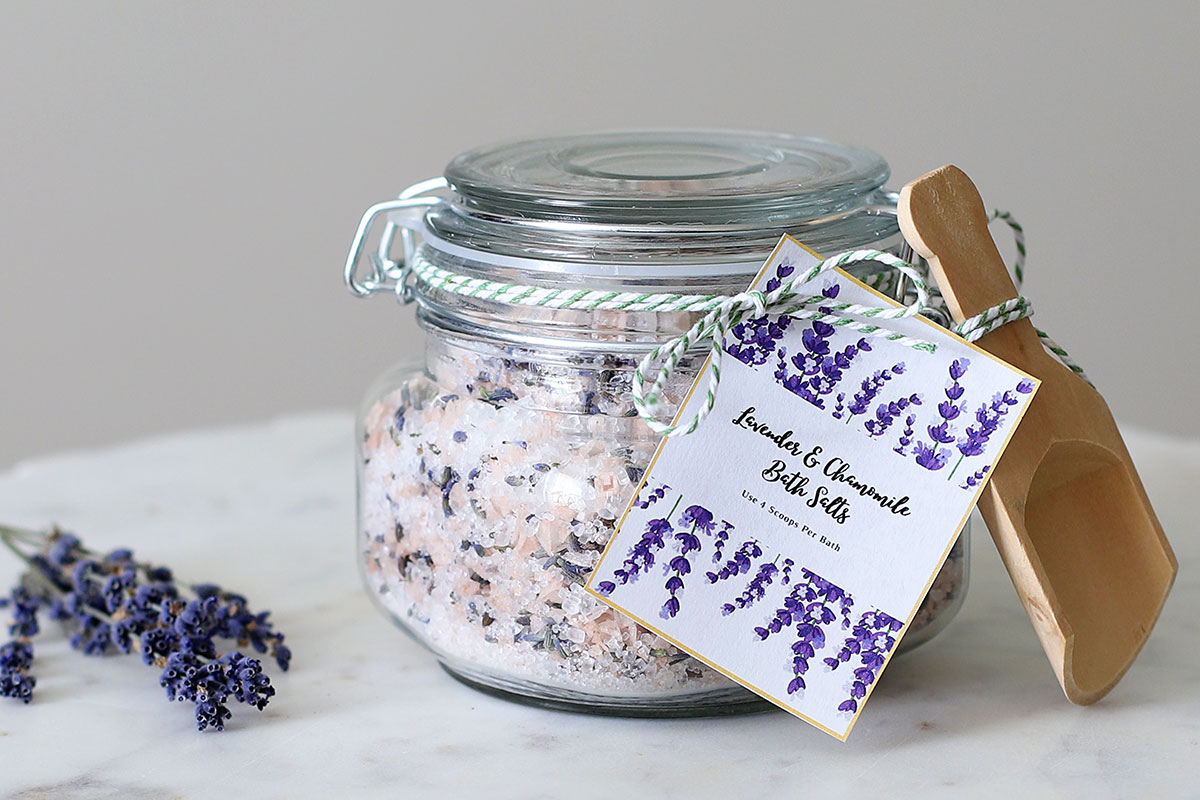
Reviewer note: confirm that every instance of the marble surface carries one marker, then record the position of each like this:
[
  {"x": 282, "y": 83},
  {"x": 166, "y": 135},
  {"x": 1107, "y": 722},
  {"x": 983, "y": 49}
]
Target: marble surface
[{"x": 268, "y": 509}]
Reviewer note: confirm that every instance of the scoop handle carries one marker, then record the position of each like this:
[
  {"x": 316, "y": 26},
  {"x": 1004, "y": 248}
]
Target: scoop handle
[{"x": 942, "y": 212}]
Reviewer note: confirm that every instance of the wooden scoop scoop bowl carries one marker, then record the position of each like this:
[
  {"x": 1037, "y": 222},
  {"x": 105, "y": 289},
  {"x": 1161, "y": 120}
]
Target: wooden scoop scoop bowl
[{"x": 1065, "y": 504}]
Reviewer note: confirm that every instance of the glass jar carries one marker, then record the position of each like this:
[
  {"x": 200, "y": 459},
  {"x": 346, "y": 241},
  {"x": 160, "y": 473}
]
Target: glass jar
[{"x": 492, "y": 472}]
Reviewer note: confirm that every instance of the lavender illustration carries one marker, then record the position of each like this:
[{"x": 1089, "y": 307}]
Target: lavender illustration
[
  {"x": 820, "y": 369},
  {"x": 641, "y": 555},
  {"x": 699, "y": 519},
  {"x": 784, "y": 270},
  {"x": 812, "y": 606},
  {"x": 907, "y": 436},
  {"x": 871, "y": 640},
  {"x": 988, "y": 418},
  {"x": 756, "y": 338},
  {"x": 719, "y": 540},
  {"x": 677, "y": 544},
  {"x": 755, "y": 590},
  {"x": 738, "y": 564},
  {"x": 928, "y": 455},
  {"x": 887, "y": 413},
  {"x": 974, "y": 480},
  {"x": 652, "y": 497},
  {"x": 869, "y": 389}
]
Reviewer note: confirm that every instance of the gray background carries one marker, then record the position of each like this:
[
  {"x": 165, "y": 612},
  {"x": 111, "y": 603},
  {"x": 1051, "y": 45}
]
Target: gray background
[{"x": 180, "y": 183}]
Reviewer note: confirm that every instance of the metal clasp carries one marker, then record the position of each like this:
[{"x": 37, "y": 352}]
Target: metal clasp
[{"x": 386, "y": 273}]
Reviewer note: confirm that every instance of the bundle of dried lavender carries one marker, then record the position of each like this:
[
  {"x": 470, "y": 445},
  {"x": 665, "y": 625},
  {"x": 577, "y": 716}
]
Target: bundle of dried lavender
[{"x": 112, "y": 603}]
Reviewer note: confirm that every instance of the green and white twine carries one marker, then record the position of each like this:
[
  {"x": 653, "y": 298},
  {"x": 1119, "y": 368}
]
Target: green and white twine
[{"x": 722, "y": 312}]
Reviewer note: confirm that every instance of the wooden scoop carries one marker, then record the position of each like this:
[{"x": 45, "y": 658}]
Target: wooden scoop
[{"x": 1064, "y": 504}]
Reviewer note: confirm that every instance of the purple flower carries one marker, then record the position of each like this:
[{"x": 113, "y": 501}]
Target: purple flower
[
  {"x": 974, "y": 480},
  {"x": 678, "y": 567},
  {"x": 782, "y": 271},
  {"x": 887, "y": 413},
  {"x": 116, "y": 603},
  {"x": 869, "y": 388},
  {"x": 948, "y": 410},
  {"x": 871, "y": 639},
  {"x": 930, "y": 458},
  {"x": 720, "y": 538},
  {"x": 652, "y": 496},
  {"x": 738, "y": 564},
  {"x": 819, "y": 368},
  {"x": 699, "y": 517},
  {"x": 641, "y": 555},
  {"x": 755, "y": 590},
  {"x": 988, "y": 420},
  {"x": 755, "y": 339},
  {"x": 906, "y": 437},
  {"x": 813, "y": 605}
]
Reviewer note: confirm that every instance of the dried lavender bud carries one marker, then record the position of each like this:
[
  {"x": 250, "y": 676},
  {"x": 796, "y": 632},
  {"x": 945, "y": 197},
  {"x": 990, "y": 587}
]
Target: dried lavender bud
[{"x": 115, "y": 603}]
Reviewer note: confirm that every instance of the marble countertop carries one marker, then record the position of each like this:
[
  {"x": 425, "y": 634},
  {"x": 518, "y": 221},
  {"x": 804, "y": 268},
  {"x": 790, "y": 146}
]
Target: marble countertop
[{"x": 364, "y": 712}]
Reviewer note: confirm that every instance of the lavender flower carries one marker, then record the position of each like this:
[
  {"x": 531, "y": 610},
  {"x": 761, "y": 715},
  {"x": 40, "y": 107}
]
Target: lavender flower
[
  {"x": 871, "y": 640},
  {"x": 907, "y": 436},
  {"x": 784, "y": 269},
  {"x": 928, "y": 456},
  {"x": 989, "y": 417},
  {"x": 840, "y": 406},
  {"x": 755, "y": 590},
  {"x": 887, "y": 413},
  {"x": 113, "y": 602},
  {"x": 869, "y": 388},
  {"x": 756, "y": 338},
  {"x": 974, "y": 480},
  {"x": 719, "y": 539},
  {"x": 739, "y": 564},
  {"x": 813, "y": 604},
  {"x": 641, "y": 555},
  {"x": 699, "y": 517},
  {"x": 820, "y": 369},
  {"x": 652, "y": 497},
  {"x": 680, "y": 565}
]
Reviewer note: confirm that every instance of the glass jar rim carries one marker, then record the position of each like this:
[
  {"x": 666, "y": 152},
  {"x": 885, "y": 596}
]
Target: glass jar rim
[{"x": 660, "y": 197}]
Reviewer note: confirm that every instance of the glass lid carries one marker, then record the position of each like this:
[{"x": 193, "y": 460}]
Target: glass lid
[
  {"x": 676, "y": 176},
  {"x": 660, "y": 198}
]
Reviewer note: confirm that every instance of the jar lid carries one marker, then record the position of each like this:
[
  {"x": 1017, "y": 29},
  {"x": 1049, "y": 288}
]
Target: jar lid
[
  {"x": 650, "y": 197},
  {"x": 693, "y": 176}
]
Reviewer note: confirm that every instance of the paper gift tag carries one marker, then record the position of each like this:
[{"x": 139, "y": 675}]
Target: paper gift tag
[{"x": 790, "y": 539}]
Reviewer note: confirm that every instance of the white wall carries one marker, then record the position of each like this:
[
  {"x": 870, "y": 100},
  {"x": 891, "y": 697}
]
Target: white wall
[{"x": 180, "y": 181}]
